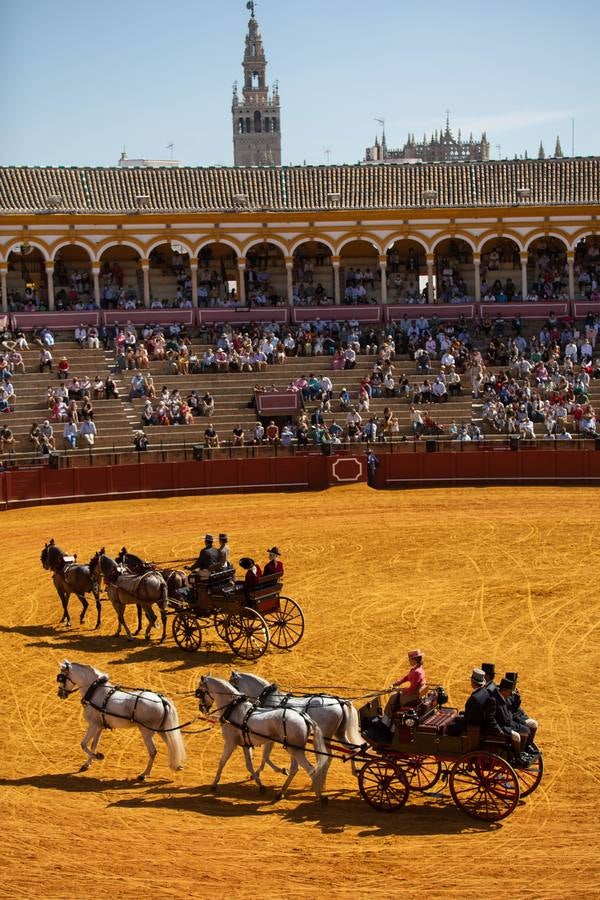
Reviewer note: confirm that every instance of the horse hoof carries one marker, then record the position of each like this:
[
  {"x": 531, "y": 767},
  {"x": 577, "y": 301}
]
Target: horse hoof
[
  {"x": 324, "y": 800},
  {"x": 213, "y": 789},
  {"x": 262, "y": 789},
  {"x": 83, "y": 768},
  {"x": 141, "y": 778},
  {"x": 99, "y": 755}
]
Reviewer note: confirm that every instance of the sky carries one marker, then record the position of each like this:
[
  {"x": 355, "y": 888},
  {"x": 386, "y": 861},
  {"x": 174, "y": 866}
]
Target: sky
[{"x": 81, "y": 79}]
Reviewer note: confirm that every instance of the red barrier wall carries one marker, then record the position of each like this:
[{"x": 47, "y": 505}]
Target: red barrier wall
[{"x": 488, "y": 467}]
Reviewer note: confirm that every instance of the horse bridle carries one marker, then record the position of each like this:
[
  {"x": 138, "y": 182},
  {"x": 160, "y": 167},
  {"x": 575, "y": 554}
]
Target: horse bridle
[
  {"x": 62, "y": 678},
  {"x": 201, "y": 693}
]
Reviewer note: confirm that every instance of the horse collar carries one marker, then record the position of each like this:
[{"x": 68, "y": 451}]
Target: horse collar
[
  {"x": 95, "y": 684},
  {"x": 266, "y": 692}
]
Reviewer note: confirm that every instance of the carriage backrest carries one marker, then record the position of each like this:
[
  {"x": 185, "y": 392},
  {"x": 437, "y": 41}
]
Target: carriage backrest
[{"x": 266, "y": 594}]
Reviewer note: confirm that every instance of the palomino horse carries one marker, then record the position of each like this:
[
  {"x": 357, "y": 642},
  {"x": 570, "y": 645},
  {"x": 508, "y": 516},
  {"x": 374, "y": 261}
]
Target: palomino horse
[
  {"x": 336, "y": 718},
  {"x": 111, "y": 706},
  {"x": 243, "y": 725},
  {"x": 71, "y": 578},
  {"x": 122, "y": 589}
]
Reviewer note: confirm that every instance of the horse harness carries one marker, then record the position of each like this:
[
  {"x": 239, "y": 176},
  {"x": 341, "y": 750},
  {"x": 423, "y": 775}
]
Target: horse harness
[
  {"x": 138, "y": 693},
  {"x": 245, "y": 729}
]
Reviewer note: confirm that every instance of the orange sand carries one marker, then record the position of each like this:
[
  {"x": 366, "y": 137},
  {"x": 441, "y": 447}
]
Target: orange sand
[{"x": 500, "y": 574}]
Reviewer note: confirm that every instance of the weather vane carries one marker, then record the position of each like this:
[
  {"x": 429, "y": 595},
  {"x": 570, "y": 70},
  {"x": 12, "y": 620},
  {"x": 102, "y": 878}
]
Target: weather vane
[{"x": 250, "y": 6}]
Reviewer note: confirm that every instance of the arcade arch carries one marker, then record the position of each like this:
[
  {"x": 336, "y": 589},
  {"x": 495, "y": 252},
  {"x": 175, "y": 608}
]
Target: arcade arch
[
  {"x": 360, "y": 272},
  {"x": 313, "y": 283},
  {"x": 218, "y": 279},
  {"x": 266, "y": 278},
  {"x": 170, "y": 276},
  {"x": 27, "y": 279},
  {"x": 73, "y": 281},
  {"x": 500, "y": 269},
  {"x": 587, "y": 268},
  {"x": 454, "y": 271},
  {"x": 123, "y": 283},
  {"x": 547, "y": 269},
  {"x": 406, "y": 270}
]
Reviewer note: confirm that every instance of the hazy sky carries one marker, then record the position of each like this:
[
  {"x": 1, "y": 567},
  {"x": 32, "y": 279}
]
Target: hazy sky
[{"x": 80, "y": 79}]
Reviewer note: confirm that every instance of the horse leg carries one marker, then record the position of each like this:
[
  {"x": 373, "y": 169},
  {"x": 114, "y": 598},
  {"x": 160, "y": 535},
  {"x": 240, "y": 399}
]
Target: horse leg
[
  {"x": 228, "y": 749},
  {"x": 64, "y": 599},
  {"x": 253, "y": 773},
  {"x": 266, "y": 761},
  {"x": 85, "y": 604},
  {"x": 93, "y": 734},
  {"x": 148, "y": 738},
  {"x": 292, "y": 774},
  {"x": 300, "y": 759},
  {"x": 163, "y": 619},
  {"x": 139, "y": 618},
  {"x": 98, "y": 609},
  {"x": 151, "y": 621}
]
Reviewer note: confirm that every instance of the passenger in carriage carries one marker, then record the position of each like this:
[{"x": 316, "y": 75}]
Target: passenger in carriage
[
  {"x": 253, "y": 574},
  {"x": 408, "y": 687},
  {"x": 222, "y": 562},
  {"x": 490, "y": 673},
  {"x": 206, "y": 558},
  {"x": 525, "y": 725},
  {"x": 274, "y": 566},
  {"x": 502, "y": 723}
]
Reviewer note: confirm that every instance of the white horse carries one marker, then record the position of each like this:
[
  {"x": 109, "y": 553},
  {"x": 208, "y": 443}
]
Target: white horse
[
  {"x": 243, "y": 725},
  {"x": 336, "y": 717},
  {"x": 110, "y": 706}
]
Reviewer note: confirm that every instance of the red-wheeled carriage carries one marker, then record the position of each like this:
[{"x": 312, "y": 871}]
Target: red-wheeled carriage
[
  {"x": 248, "y": 621},
  {"x": 480, "y": 772}
]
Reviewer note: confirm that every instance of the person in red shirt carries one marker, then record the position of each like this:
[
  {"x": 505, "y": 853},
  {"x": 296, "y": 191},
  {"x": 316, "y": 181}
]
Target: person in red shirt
[
  {"x": 253, "y": 574},
  {"x": 274, "y": 566},
  {"x": 409, "y": 686}
]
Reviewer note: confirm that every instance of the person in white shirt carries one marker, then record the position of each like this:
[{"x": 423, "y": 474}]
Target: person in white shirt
[
  {"x": 440, "y": 394},
  {"x": 447, "y": 360},
  {"x": 80, "y": 334},
  {"x": 87, "y": 432},
  {"x": 349, "y": 358},
  {"x": 70, "y": 435}
]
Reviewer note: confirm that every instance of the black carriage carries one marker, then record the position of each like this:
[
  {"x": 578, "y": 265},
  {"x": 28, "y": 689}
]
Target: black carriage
[
  {"x": 480, "y": 771},
  {"x": 247, "y": 620}
]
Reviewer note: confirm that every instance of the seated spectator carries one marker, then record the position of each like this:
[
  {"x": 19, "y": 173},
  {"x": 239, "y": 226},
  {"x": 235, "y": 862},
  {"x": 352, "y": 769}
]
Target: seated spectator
[
  {"x": 87, "y": 432},
  {"x": 45, "y": 360},
  {"x": 140, "y": 441},
  {"x": 7, "y": 440},
  {"x": 210, "y": 436},
  {"x": 98, "y": 388},
  {"x": 272, "y": 433},
  {"x": 238, "y": 435},
  {"x": 81, "y": 335},
  {"x": 47, "y": 433},
  {"x": 70, "y": 435},
  {"x": 111, "y": 390}
]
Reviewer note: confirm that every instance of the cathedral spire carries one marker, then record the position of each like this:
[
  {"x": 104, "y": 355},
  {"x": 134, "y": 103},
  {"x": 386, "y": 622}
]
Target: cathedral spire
[
  {"x": 558, "y": 154},
  {"x": 256, "y": 116}
]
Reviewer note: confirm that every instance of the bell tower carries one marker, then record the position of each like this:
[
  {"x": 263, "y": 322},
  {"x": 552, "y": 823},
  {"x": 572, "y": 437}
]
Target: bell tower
[{"x": 256, "y": 115}]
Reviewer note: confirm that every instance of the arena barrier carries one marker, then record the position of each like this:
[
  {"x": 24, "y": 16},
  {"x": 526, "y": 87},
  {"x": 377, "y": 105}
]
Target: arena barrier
[
  {"x": 487, "y": 466},
  {"x": 39, "y": 485}
]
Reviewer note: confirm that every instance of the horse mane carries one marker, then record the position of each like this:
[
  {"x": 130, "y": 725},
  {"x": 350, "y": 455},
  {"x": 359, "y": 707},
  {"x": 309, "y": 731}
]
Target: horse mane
[{"x": 85, "y": 668}]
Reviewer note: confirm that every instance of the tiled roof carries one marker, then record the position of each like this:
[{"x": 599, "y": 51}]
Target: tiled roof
[{"x": 26, "y": 189}]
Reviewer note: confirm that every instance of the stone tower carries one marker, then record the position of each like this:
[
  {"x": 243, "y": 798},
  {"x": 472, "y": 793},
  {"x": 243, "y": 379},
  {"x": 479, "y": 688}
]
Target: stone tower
[{"x": 256, "y": 116}]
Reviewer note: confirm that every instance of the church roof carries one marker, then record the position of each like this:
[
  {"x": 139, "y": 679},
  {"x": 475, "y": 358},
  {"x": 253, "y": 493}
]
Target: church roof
[{"x": 25, "y": 189}]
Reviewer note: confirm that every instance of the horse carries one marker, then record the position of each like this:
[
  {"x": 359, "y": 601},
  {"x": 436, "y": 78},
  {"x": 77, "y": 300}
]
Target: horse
[
  {"x": 122, "y": 589},
  {"x": 71, "y": 578},
  {"x": 336, "y": 718},
  {"x": 175, "y": 578},
  {"x": 110, "y": 706},
  {"x": 244, "y": 725}
]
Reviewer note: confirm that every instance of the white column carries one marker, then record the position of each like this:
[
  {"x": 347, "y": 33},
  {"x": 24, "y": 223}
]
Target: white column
[
  {"x": 50, "y": 278},
  {"x": 3, "y": 289},
  {"x": 477, "y": 265},
  {"x": 146, "y": 277},
  {"x": 383, "y": 272},
  {"x": 194, "y": 277},
  {"x": 96, "y": 281},
  {"x": 335, "y": 262},
  {"x": 289, "y": 272},
  {"x": 241, "y": 280},
  {"x": 571, "y": 267},
  {"x": 524, "y": 290},
  {"x": 430, "y": 261}
]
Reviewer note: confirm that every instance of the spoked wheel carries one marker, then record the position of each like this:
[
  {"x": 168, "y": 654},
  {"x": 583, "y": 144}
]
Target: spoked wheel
[
  {"x": 286, "y": 624},
  {"x": 247, "y": 633},
  {"x": 187, "y": 632},
  {"x": 484, "y": 786},
  {"x": 220, "y": 622},
  {"x": 422, "y": 772},
  {"x": 529, "y": 779},
  {"x": 383, "y": 785}
]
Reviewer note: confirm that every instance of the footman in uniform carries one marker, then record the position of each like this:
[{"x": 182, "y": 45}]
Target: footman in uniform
[{"x": 274, "y": 566}]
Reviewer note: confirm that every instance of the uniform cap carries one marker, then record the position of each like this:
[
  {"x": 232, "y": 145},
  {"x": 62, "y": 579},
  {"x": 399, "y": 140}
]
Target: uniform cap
[
  {"x": 209, "y": 537},
  {"x": 489, "y": 669},
  {"x": 507, "y": 684},
  {"x": 511, "y": 676},
  {"x": 478, "y": 676},
  {"x": 223, "y": 536},
  {"x": 415, "y": 654},
  {"x": 275, "y": 551}
]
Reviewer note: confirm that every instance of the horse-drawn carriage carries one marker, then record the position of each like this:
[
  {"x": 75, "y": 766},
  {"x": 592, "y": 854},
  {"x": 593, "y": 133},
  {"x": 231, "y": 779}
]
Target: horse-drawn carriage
[
  {"x": 481, "y": 771},
  {"x": 247, "y": 620}
]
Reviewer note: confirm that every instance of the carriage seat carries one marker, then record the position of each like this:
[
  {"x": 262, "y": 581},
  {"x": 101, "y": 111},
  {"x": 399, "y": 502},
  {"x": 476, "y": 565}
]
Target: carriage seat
[
  {"x": 265, "y": 596},
  {"x": 414, "y": 709}
]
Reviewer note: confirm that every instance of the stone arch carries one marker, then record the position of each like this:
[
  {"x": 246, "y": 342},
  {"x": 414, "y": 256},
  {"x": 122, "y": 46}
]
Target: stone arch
[
  {"x": 456, "y": 235},
  {"x": 317, "y": 238},
  {"x": 500, "y": 269},
  {"x": 218, "y": 271},
  {"x": 266, "y": 273},
  {"x": 107, "y": 243},
  {"x": 542, "y": 233},
  {"x": 33, "y": 242},
  {"x": 547, "y": 276},
  {"x": 72, "y": 242},
  {"x": 312, "y": 273},
  {"x": 222, "y": 239},
  {"x": 454, "y": 271},
  {"x": 406, "y": 269},
  {"x": 361, "y": 236},
  {"x": 401, "y": 236},
  {"x": 583, "y": 233},
  {"x": 270, "y": 239},
  {"x": 492, "y": 234},
  {"x": 73, "y": 279},
  {"x": 167, "y": 239},
  {"x": 359, "y": 269}
]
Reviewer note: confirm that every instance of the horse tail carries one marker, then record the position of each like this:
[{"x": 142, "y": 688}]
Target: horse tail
[
  {"x": 323, "y": 761},
  {"x": 174, "y": 739},
  {"x": 350, "y": 728}
]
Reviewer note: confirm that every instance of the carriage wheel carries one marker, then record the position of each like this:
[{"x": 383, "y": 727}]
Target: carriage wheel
[
  {"x": 383, "y": 785},
  {"x": 422, "y": 772},
  {"x": 484, "y": 786},
  {"x": 220, "y": 623},
  {"x": 247, "y": 633},
  {"x": 187, "y": 632},
  {"x": 529, "y": 779},
  {"x": 286, "y": 624}
]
